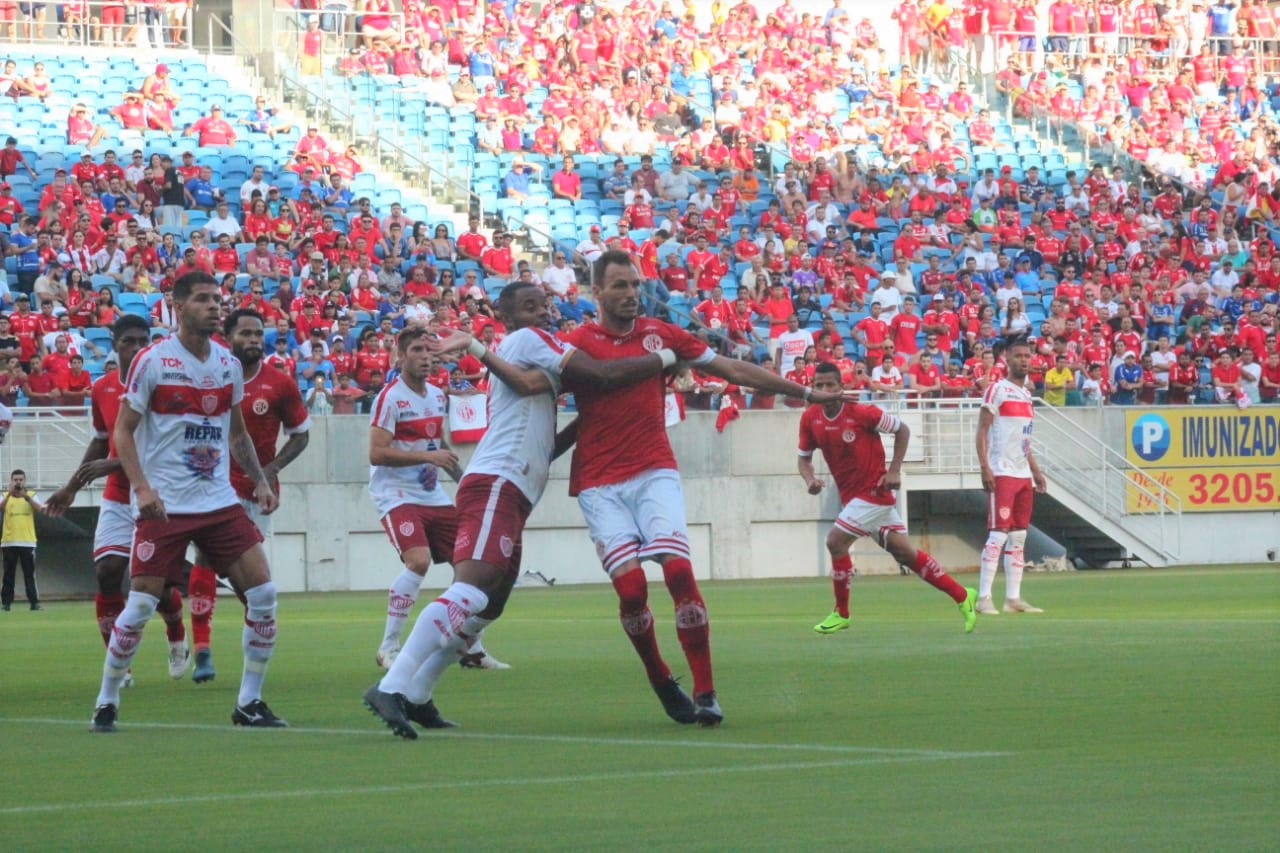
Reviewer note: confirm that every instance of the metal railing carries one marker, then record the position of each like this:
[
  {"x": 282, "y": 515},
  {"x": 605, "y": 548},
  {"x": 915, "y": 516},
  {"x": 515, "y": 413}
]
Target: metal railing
[
  {"x": 47, "y": 444},
  {"x": 141, "y": 27},
  {"x": 1105, "y": 481}
]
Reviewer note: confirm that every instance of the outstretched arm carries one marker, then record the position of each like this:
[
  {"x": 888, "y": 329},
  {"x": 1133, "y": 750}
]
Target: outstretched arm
[
  {"x": 754, "y": 376},
  {"x": 93, "y": 464}
]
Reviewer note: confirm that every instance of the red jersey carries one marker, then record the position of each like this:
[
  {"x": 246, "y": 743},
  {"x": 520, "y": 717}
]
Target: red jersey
[
  {"x": 850, "y": 443},
  {"x": 271, "y": 401},
  {"x": 104, "y": 403},
  {"x": 610, "y": 422}
]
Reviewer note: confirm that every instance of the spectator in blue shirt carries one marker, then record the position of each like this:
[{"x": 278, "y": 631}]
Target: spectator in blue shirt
[
  {"x": 1030, "y": 253},
  {"x": 316, "y": 365},
  {"x": 517, "y": 182},
  {"x": 200, "y": 192},
  {"x": 337, "y": 198},
  {"x": 23, "y": 244},
  {"x": 309, "y": 182},
  {"x": 481, "y": 63},
  {"x": 1127, "y": 381}
]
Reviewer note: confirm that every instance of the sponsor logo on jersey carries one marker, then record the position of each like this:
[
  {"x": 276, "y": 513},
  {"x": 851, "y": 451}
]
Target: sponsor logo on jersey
[
  {"x": 165, "y": 361},
  {"x": 203, "y": 432},
  {"x": 208, "y": 382},
  {"x": 463, "y": 541},
  {"x": 202, "y": 460},
  {"x": 261, "y": 406},
  {"x": 403, "y": 404},
  {"x": 145, "y": 551}
]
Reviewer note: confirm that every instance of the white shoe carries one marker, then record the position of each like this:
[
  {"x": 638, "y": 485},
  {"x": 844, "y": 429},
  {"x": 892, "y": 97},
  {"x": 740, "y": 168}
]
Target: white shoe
[
  {"x": 128, "y": 679},
  {"x": 482, "y": 660},
  {"x": 1017, "y": 605},
  {"x": 985, "y": 607},
  {"x": 386, "y": 656},
  {"x": 179, "y": 657}
]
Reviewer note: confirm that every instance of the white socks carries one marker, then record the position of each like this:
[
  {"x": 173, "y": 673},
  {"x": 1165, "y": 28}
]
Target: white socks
[
  {"x": 990, "y": 561},
  {"x": 258, "y": 640},
  {"x": 442, "y": 625},
  {"x": 400, "y": 600},
  {"x": 1014, "y": 562},
  {"x": 126, "y": 633}
]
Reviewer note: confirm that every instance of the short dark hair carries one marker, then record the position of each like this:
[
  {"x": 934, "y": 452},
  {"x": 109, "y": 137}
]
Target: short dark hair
[
  {"x": 827, "y": 367},
  {"x": 233, "y": 319},
  {"x": 507, "y": 298},
  {"x": 606, "y": 260},
  {"x": 408, "y": 335},
  {"x": 186, "y": 283},
  {"x": 17, "y": 472},
  {"x": 126, "y": 323},
  {"x": 1017, "y": 341}
]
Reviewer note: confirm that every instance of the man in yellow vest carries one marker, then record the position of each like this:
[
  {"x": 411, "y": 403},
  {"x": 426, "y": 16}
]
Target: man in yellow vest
[{"x": 18, "y": 539}]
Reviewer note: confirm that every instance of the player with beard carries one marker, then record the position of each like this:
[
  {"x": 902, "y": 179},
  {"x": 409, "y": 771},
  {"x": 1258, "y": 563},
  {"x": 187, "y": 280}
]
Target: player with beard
[
  {"x": 114, "y": 533},
  {"x": 624, "y": 476},
  {"x": 505, "y": 478},
  {"x": 178, "y": 426},
  {"x": 848, "y": 434},
  {"x": 1010, "y": 477},
  {"x": 271, "y": 402}
]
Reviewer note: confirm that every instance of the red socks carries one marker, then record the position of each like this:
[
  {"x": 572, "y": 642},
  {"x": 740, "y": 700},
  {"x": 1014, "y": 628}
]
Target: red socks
[
  {"x": 202, "y": 588},
  {"x": 637, "y": 621},
  {"x": 107, "y": 608},
  {"x": 928, "y": 569},
  {"x": 691, "y": 621},
  {"x": 170, "y": 610},
  {"x": 841, "y": 578}
]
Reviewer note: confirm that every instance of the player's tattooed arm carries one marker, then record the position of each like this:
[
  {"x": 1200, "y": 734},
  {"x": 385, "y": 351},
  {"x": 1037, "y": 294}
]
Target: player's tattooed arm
[
  {"x": 292, "y": 449},
  {"x": 246, "y": 455}
]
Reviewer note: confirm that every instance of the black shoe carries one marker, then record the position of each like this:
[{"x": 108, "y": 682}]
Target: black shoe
[
  {"x": 391, "y": 708},
  {"x": 104, "y": 719},
  {"x": 257, "y": 715},
  {"x": 427, "y": 715},
  {"x": 6, "y": 607},
  {"x": 708, "y": 713},
  {"x": 36, "y": 607},
  {"x": 676, "y": 702}
]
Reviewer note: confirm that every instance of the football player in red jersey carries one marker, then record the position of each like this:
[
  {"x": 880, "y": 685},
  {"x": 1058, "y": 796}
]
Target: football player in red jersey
[
  {"x": 848, "y": 434},
  {"x": 624, "y": 476},
  {"x": 271, "y": 401},
  {"x": 114, "y": 532}
]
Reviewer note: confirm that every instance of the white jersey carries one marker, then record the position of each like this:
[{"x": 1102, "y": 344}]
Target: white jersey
[
  {"x": 522, "y": 430},
  {"x": 416, "y": 423},
  {"x": 182, "y": 441},
  {"x": 1009, "y": 441},
  {"x": 6, "y": 421}
]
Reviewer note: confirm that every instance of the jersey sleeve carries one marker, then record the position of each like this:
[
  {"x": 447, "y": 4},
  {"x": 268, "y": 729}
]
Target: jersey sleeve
[
  {"x": 99, "y": 419},
  {"x": 876, "y": 419},
  {"x": 237, "y": 381},
  {"x": 687, "y": 346},
  {"x": 294, "y": 417},
  {"x": 992, "y": 396},
  {"x": 807, "y": 445},
  {"x": 384, "y": 411},
  {"x": 142, "y": 380},
  {"x": 530, "y": 347}
]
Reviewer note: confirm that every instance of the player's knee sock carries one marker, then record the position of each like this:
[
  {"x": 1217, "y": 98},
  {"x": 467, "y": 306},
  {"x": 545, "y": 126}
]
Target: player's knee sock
[
  {"x": 126, "y": 633},
  {"x": 1015, "y": 561},
  {"x": 202, "y": 589},
  {"x": 841, "y": 579},
  {"x": 400, "y": 600},
  {"x": 692, "y": 625},
  {"x": 107, "y": 608},
  {"x": 170, "y": 610},
  {"x": 422, "y": 685},
  {"x": 258, "y": 639},
  {"x": 442, "y": 624},
  {"x": 929, "y": 570},
  {"x": 637, "y": 622},
  {"x": 990, "y": 561}
]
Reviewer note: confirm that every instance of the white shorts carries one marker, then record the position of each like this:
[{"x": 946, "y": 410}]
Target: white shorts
[
  {"x": 113, "y": 537},
  {"x": 638, "y": 518},
  {"x": 861, "y": 518}
]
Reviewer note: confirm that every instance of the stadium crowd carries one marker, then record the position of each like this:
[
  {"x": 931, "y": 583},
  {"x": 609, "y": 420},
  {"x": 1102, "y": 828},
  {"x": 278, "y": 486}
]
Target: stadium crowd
[{"x": 887, "y": 244}]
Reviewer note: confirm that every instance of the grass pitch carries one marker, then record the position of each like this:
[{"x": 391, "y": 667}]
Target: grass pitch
[{"x": 1142, "y": 711}]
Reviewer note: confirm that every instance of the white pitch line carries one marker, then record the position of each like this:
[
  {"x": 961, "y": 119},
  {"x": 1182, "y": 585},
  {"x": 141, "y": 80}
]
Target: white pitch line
[
  {"x": 43, "y": 808},
  {"x": 934, "y": 754}
]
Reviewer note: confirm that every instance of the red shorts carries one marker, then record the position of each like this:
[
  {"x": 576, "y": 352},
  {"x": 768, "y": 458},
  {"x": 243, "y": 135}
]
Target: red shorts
[
  {"x": 491, "y": 517},
  {"x": 223, "y": 536},
  {"x": 417, "y": 526},
  {"x": 1009, "y": 504}
]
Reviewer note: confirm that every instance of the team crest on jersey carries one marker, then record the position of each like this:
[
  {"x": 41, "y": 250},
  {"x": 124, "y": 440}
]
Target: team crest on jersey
[
  {"x": 849, "y": 436},
  {"x": 209, "y": 403},
  {"x": 1005, "y": 512},
  {"x": 406, "y": 528},
  {"x": 431, "y": 430},
  {"x": 146, "y": 550},
  {"x": 652, "y": 342},
  {"x": 260, "y": 406},
  {"x": 600, "y": 548},
  {"x": 506, "y": 545}
]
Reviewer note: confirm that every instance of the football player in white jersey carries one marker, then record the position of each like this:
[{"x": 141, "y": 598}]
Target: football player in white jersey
[{"x": 1010, "y": 476}]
